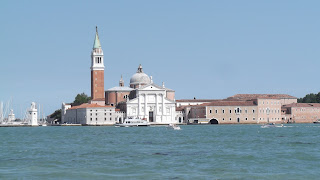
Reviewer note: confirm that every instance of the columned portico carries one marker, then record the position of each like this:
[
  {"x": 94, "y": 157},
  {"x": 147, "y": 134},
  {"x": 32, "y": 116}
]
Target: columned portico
[{"x": 152, "y": 103}]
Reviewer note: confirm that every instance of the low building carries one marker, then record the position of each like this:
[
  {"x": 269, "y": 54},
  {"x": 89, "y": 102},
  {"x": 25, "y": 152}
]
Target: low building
[
  {"x": 244, "y": 109},
  {"x": 301, "y": 112},
  {"x": 92, "y": 114}
]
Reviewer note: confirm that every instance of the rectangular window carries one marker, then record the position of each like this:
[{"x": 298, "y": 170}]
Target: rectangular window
[
  {"x": 223, "y": 111},
  {"x": 210, "y": 111},
  {"x": 216, "y": 111}
]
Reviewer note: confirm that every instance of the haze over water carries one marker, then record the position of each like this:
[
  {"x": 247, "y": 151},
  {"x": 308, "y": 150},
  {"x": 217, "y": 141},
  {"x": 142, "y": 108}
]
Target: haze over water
[{"x": 195, "y": 152}]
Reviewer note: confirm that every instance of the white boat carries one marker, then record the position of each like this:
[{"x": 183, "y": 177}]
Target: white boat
[
  {"x": 317, "y": 121},
  {"x": 131, "y": 122},
  {"x": 174, "y": 127},
  {"x": 269, "y": 125}
]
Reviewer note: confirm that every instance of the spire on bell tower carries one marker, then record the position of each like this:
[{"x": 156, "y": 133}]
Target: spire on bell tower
[{"x": 97, "y": 44}]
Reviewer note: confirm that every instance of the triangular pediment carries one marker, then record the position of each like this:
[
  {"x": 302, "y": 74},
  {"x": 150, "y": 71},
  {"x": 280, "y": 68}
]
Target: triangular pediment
[{"x": 151, "y": 87}]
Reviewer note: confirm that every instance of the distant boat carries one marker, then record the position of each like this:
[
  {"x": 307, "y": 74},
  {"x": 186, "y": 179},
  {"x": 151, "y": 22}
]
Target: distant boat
[
  {"x": 131, "y": 122},
  {"x": 317, "y": 121},
  {"x": 269, "y": 125},
  {"x": 174, "y": 127}
]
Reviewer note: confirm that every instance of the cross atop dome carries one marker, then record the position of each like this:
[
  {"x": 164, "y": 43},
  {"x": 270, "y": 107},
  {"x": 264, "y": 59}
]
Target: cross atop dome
[{"x": 140, "y": 69}]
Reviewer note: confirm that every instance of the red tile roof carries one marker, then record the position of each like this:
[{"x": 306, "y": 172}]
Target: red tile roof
[
  {"x": 181, "y": 108},
  {"x": 86, "y": 105},
  {"x": 262, "y": 96},
  {"x": 197, "y": 100},
  {"x": 302, "y": 105},
  {"x": 228, "y": 103}
]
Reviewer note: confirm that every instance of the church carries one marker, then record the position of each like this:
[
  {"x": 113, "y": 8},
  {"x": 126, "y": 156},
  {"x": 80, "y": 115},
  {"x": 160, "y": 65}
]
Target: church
[{"x": 142, "y": 99}]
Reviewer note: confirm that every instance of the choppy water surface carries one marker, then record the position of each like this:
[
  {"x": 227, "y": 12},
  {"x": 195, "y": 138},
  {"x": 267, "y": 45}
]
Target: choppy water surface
[{"x": 195, "y": 152}]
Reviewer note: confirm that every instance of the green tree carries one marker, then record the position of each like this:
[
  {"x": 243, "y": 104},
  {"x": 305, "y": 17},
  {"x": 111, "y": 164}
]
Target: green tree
[
  {"x": 56, "y": 115},
  {"x": 80, "y": 99},
  {"x": 310, "y": 98}
]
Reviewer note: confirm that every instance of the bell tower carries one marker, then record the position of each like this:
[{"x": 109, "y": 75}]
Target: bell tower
[{"x": 97, "y": 70}]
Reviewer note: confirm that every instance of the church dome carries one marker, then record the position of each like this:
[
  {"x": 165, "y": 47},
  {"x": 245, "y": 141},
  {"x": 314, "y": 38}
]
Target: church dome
[{"x": 140, "y": 78}]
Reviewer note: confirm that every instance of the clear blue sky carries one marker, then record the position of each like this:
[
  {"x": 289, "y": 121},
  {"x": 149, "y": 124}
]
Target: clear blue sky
[{"x": 203, "y": 49}]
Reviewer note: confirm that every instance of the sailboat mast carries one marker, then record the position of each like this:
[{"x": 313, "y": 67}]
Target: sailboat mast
[
  {"x": 1, "y": 112},
  {"x": 39, "y": 112}
]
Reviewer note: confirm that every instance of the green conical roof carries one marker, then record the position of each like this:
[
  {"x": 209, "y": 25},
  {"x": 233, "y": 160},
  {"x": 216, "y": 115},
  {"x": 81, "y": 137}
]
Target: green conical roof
[{"x": 96, "y": 43}]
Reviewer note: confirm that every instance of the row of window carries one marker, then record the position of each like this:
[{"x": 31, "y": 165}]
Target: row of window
[
  {"x": 268, "y": 111},
  {"x": 303, "y": 109},
  {"x": 272, "y": 102},
  {"x": 239, "y": 119},
  {"x": 252, "y": 119},
  {"x": 105, "y": 119},
  {"x": 97, "y": 110},
  {"x": 97, "y": 114},
  {"x": 237, "y": 111},
  {"x": 270, "y": 119}
]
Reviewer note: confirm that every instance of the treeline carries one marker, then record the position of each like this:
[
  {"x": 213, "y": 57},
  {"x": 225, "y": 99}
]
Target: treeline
[{"x": 310, "y": 98}]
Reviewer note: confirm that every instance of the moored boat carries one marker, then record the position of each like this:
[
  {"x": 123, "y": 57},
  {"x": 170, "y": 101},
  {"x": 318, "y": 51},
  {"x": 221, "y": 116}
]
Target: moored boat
[
  {"x": 317, "y": 121},
  {"x": 131, "y": 122}
]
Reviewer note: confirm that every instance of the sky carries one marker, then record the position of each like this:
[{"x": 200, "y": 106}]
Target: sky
[{"x": 205, "y": 49}]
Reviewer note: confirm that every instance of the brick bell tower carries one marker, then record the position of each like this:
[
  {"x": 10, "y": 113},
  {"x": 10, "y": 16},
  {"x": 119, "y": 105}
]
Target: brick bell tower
[{"x": 97, "y": 70}]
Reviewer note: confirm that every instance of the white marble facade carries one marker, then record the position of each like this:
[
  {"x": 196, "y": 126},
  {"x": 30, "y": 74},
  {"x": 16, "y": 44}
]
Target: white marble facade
[{"x": 150, "y": 103}]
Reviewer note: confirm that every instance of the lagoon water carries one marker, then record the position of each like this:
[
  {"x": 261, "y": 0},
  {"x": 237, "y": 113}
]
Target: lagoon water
[{"x": 195, "y": 152}]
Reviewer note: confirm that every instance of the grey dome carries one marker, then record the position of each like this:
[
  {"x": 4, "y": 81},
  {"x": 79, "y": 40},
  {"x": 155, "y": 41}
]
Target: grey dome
[{"x": 140, "y": 77}]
